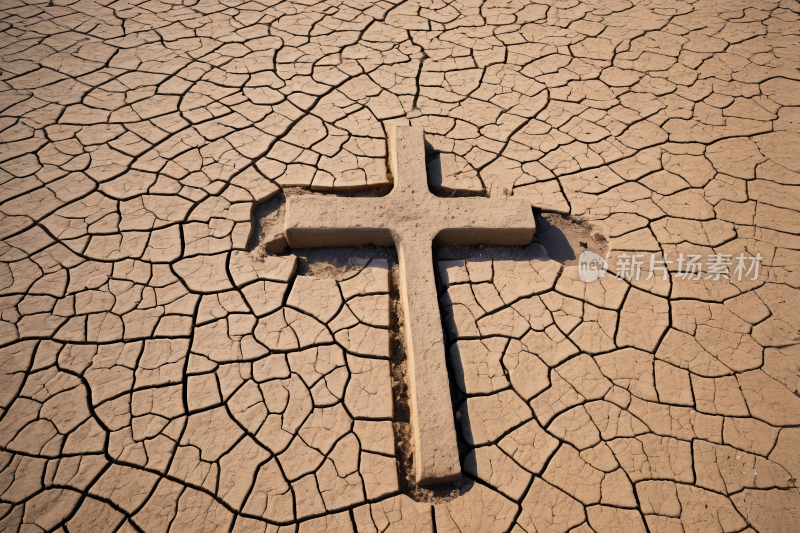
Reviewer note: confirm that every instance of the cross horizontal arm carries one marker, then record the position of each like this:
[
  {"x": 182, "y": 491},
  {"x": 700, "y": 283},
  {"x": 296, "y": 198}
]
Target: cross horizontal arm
[
  {"x": 315, "y": 221},
  {"x": 498, "y": 221}
]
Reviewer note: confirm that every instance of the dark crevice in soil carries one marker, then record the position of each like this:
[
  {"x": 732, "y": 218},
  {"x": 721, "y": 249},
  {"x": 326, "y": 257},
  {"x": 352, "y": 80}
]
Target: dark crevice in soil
[{"x": 403, "y": 440}]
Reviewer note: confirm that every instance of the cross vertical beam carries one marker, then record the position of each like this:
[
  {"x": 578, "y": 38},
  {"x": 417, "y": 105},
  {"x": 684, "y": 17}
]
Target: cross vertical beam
[{"x": 411, "y": 218}]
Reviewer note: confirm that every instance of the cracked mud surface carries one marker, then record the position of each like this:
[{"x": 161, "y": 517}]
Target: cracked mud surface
[{"x": 157, "y": 374}]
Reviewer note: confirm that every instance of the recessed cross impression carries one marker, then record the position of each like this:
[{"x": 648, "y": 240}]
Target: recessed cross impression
[{"x": 411, "y": 218}]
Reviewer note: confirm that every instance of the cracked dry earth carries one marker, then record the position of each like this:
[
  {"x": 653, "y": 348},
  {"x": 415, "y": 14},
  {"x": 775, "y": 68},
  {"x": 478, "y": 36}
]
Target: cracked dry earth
[{"x": 160, "y": 374}]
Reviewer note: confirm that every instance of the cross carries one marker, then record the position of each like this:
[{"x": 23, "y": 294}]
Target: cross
[{"x": 410, "y": 217}]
